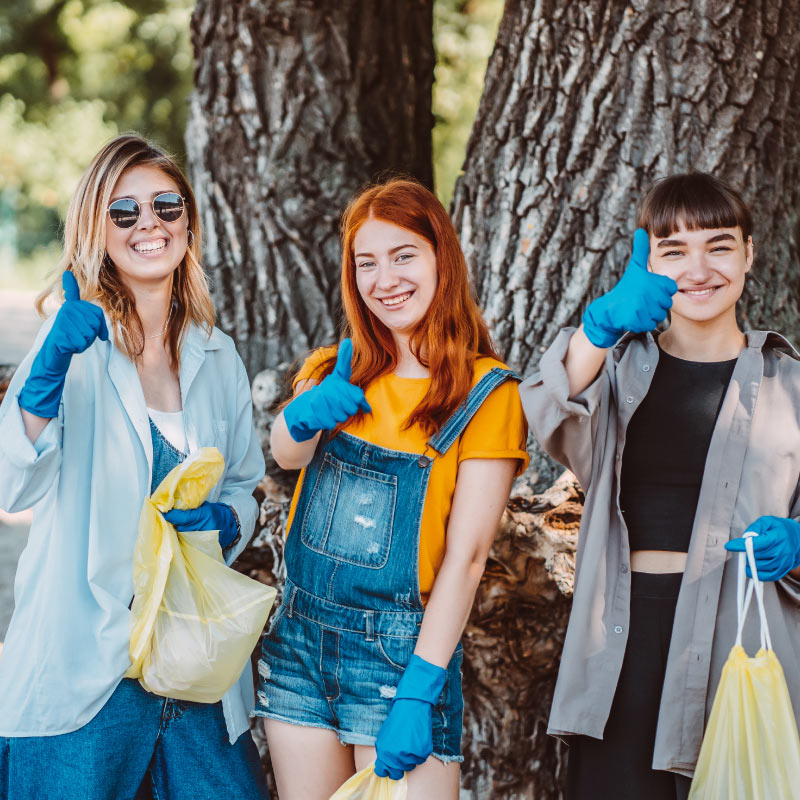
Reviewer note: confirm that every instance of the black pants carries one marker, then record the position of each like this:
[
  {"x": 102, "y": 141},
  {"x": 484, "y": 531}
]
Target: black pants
[{"x": 619, "y": 765}]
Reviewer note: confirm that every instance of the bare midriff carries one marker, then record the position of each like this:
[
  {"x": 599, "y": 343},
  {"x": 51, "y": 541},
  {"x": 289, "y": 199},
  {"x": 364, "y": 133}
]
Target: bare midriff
[{"x": 658, "y": 561}]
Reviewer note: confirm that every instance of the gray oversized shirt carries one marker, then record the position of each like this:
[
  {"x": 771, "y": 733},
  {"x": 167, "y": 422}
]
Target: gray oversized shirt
[{"x": 752, "y": 469}]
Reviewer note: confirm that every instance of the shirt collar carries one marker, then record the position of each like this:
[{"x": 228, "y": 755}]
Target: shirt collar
[{"x": 757, "y": 340}]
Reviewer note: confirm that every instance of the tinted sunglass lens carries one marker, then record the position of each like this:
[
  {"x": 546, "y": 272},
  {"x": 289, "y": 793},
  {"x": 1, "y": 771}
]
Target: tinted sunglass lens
[
  {"x": 124, "y": 212},
  {"x": 168, "y": 206}
]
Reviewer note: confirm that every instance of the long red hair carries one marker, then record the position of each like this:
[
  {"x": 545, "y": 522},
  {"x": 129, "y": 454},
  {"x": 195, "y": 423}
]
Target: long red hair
[{"x": 450, "y": 336}]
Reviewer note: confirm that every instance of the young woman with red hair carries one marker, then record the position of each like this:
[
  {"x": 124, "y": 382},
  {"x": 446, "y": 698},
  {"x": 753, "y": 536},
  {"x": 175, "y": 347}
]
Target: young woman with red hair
[{"x": 394, "y": 513}]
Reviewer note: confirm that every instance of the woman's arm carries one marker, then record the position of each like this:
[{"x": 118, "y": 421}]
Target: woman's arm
[
  {"x": 286, "y": 451},
  {"x": 583, "y": 362},
  {"x": 481, "y": 494},
  {"x": 33, "y": 425},
  {"x": 244, "y": 463}
]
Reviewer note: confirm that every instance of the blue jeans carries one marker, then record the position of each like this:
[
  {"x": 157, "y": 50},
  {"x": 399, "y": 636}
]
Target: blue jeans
[{"x": 138, "y": 746}]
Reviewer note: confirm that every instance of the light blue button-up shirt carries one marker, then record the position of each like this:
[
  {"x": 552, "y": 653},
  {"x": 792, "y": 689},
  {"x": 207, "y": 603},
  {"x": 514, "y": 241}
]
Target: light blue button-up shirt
[{"x": 86, "y": 478}]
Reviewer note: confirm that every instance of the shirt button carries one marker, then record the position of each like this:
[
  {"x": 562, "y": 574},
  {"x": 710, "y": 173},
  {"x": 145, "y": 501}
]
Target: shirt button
[
  {"x": 618, "y": 629},
  {"x": 628, "y": 399},
  {"x": 646, "y": 368},
  {"x": 623, "y": 568}
]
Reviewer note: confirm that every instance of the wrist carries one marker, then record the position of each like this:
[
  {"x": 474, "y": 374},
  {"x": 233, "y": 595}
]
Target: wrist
[
  {"x": 299, "y": 419},
  {"x": 600, "y": 335},
  {"x": 232, "y": 532},
  {"x": 421, "y": 681}
]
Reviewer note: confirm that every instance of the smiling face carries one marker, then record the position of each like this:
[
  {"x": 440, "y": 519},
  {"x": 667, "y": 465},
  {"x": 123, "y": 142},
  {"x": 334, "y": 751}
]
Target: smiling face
[
  {"x": 149, "y": 251},
  {"x": 396, "y": 274},
  {"x": 709, "y": 265}
]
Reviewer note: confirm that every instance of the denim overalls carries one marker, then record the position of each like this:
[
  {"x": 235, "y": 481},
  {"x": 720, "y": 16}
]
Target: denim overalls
[
  {"x": 165, "y": 456},
  {"x": 351, "y": 609}
]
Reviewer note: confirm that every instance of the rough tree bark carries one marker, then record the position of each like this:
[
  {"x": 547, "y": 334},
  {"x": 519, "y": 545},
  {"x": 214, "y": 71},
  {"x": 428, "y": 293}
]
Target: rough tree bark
[
  {"x": 297, "y": 103},
  {"x": 584, "y": 105}
]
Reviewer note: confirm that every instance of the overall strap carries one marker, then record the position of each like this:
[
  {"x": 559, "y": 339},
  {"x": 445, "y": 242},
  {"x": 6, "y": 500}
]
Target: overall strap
[{"x": 454, "y": 427}]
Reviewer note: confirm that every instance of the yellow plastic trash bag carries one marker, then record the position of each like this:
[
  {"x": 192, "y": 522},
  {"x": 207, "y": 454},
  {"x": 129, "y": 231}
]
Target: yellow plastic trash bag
[
  {"x": 194, "y": 621},
  {"x": 751, "y": 750},
  {"x": 366, "y": 785}
]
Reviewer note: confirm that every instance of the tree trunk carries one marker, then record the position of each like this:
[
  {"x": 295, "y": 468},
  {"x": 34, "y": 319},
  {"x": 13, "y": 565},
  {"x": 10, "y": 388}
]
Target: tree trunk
[
  {"x": 584, "y": 105},
  {"x": 297, "y": 103}
]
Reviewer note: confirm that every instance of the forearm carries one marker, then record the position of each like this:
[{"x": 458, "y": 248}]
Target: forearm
[
  {"x": 583, "y": 362},
  {"x": 33, "y": 425},
  {"x": 448, "y": 608},
  {"x": 286, "y": 451}
]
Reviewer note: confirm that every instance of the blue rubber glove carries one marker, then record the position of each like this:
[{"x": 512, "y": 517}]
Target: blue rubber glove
[
  {"x": 637, "y": 303},
  {"x": 206, "y": 517},
  {"x": 776, "y": 548},
  {"x": 330, "y": 402},
  {"x": 406, "y": 736},
  {"x": 77, "y": 324}
]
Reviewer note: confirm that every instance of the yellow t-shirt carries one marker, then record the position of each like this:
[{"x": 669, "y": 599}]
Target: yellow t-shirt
[{"x": 498, "y": 430}]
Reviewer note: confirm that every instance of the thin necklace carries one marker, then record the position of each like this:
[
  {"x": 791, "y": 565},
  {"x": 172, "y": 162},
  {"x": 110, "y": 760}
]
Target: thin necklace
[{"x": 166, "y": 325}]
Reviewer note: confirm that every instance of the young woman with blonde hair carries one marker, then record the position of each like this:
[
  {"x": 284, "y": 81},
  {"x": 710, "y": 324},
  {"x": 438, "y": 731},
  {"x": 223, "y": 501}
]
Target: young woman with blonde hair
[
  {"x": 395, "y": 511},
  {"x": 122, "y": 383}
]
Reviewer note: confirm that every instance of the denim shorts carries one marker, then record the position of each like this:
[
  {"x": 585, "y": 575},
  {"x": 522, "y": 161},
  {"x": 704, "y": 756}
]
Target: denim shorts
[{"x": 320, "y": 676}]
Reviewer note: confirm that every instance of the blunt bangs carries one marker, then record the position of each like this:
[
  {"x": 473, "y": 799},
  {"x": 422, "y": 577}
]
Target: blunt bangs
[{"x": 695, "y": 200}]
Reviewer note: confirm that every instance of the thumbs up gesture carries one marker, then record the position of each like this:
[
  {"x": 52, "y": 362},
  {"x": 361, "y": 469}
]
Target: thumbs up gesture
[
  {"x": 637, "y": 303},
  {"x": 332, "y": 401},
  {"x": 77, "y": 324}
]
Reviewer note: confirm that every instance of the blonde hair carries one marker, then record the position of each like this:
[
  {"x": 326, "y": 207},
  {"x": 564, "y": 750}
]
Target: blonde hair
[{"x": 85, "y": 254}]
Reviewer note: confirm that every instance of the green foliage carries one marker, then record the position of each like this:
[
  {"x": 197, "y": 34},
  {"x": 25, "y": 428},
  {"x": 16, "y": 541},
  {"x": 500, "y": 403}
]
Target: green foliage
[
  {"x": 74, "y": 73},
  {"x": 464, "y": 35}
]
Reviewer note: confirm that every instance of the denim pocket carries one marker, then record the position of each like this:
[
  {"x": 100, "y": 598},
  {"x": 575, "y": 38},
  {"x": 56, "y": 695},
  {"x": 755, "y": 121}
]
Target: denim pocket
[
  {"x": 279, "y": 612},
  {"x": 350, "y": 514},
  {"x": 395, "y": 651}
]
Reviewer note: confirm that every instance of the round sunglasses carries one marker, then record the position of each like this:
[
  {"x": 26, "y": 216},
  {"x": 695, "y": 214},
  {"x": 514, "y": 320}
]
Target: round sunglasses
[{"x": 167, "y": 206}]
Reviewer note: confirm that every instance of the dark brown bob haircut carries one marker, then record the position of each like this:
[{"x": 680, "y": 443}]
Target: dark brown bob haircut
[{"x": 696, "y": 200}]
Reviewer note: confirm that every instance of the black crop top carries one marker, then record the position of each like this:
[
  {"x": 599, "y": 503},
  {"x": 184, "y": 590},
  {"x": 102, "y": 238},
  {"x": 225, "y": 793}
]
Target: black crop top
[{"x": 665, "y": 451}]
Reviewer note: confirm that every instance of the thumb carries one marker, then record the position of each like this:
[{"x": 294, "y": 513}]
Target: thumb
[
  {"x": 735, "y": 546},
  {"x": 70, "y": 285},
  {"x": 664, "y": 281},
  {"x": 641, "y": 249},
  {"x": 344, "y": 358}
]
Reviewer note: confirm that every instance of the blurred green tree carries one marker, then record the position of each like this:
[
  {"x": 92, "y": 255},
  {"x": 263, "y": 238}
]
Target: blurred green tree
[
  {"x": 464, "y": 33},
  {"x": 72, "y": 74}
]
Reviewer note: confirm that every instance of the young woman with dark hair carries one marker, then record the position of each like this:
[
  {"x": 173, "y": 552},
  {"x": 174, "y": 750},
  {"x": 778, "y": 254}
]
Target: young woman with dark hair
[
  {"x": 682, "y": 441},
  {"x": 395, "y": 511}
]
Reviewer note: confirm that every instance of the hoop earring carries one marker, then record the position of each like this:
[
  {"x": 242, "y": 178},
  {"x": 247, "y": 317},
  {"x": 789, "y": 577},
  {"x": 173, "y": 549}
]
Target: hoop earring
[{"x": 190, "y": 237}]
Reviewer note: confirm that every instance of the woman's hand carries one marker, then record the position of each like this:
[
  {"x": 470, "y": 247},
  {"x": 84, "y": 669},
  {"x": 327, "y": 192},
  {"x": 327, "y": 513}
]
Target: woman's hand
[
  {"x": 776, "y": 547},
  {"x": 77, "y": 324},
  {"x": 327, "y": 404},
  {"x": 637, "y": 303},
  {"x": 406, "y": 736},
  {"x": 206, "y": 517}
]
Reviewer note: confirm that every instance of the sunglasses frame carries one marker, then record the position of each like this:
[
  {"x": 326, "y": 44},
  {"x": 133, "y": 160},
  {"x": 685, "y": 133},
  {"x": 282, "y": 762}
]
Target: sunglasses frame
[{"x": 144, "y": 203}]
